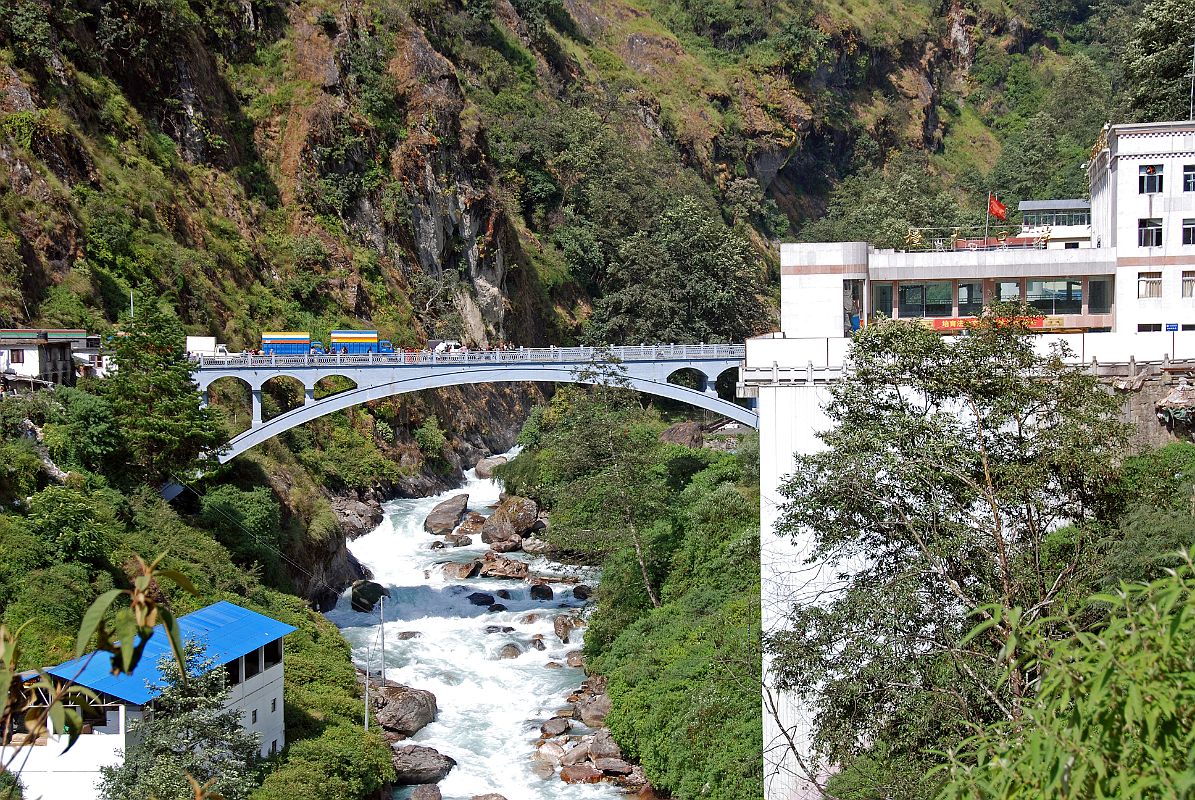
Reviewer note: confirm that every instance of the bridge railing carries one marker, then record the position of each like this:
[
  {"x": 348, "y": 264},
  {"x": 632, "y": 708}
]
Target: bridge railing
[{"x": 522, "y": 355}]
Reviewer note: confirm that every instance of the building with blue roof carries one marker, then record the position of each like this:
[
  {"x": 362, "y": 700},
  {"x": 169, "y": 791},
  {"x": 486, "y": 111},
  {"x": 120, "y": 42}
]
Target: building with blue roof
[{"x": 248, "y": 646}]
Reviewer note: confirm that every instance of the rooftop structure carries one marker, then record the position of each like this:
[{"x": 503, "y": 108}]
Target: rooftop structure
[
  {"x": 32, "y": 357},
  {"x": 247, "y": 645}
]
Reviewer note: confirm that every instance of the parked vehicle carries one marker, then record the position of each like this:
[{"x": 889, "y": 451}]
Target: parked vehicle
[
  {"x": 359, "y": 342},
  {"x": 286, "y": 343},
  {"x": 447, "y": 347}
]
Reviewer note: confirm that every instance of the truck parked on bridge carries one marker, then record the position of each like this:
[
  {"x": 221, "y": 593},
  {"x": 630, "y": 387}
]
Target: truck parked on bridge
[
  {"x": 357, "y": 342},
  {"x": 286, "y": 343}
]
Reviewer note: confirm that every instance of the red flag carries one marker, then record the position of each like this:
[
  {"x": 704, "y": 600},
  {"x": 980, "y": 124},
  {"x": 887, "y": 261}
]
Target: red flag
[{"x": 996, "y": 208}]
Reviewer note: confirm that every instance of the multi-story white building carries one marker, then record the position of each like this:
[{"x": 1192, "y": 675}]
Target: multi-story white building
[
  {"x": 1125, "y": 262},
  {"x": 247, "y": 645},
  {"x": 1114, "y": 279}
]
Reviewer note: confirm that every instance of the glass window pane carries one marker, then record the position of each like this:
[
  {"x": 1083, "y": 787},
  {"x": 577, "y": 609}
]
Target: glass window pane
[
  {"x": 970, "y": 299},
  {"x": 938, "y": 299},
  {"x": 912, "y": 300},
  {"x": 1008, "y": 291},
  {"x": 1189, "y": 178},
  {"x": 1099, "y": 295},
  {"x": 881, "y": 299}
]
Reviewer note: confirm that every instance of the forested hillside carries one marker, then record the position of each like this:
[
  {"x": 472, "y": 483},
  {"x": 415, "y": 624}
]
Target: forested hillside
[{"x": 481, "y": 169}]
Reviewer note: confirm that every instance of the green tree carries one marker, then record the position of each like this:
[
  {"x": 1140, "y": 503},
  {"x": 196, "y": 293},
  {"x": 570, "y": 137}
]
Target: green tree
[
  {"x": 608, "y": 492},
  {"x": 1157, "y": 61},
  {"x": 155, "y": 401},
  {"x": 191, "y": 733},
  {"x": 949, "y": 467},
  {"x": 88, "y": 435},
  {"x": 1115, "y": 710},
  {"x": 880, "y": 206},
  {"x": 247, "y": 522},
  {"x": 687, "y": 278},
  {"x": 74, "y": 526}
]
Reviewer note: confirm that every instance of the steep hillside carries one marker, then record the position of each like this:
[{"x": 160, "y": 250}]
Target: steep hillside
[{"x": 468, "y": 168}]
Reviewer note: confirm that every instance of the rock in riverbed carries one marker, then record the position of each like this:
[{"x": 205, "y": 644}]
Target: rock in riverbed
[
  {"x": 405, "y": 710},
  {"x": 485, "y": 467},
  {"x": 417, "y": 764},
  {"x": 542, "y": 592},
  {"x": 496, "y": 566},
  {"x": 513, "y": 517},
  {"x": 445, "y": 516},
  {"x": 462, "y": 572},
  {"x": 427, "y": 791},
  {"x": 580, "y": 773},
  {"x": 556, "y": 726},
  {"x": 594, "y": 711}
]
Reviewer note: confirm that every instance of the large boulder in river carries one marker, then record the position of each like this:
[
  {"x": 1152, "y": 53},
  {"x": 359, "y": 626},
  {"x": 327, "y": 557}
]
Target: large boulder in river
[
  {"x": 496, "y": 566},
  {"x": 488, "y": 796},
  {"x": 687, "y": 434},
  {"x": 485, "y": 467},
  {"x": 366, "y": 595},
  {"x": 580, "y": 773},
  {"x": 507, "y": 545},
  {"x": 536, "y": 546},
  {"x": 564, "y": 624},
  {"x": 418, "y": 764},
  {"x": 405, "y": 710},
  {"x": 513, "y": 517},
  {"x": 446, "y": 515},
  {"x": 471, "y": 524}
]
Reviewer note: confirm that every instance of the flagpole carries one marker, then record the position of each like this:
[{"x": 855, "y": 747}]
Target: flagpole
[{"x": 987, "y": 220}]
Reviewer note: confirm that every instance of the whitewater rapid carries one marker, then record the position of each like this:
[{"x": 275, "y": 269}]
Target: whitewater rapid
[{"x": 490, "y": 708}]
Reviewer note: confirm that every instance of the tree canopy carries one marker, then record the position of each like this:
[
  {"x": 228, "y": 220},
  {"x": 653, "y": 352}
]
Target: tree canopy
[
  {"x": 948, "y": 470},
  {"x": 687, "y": 278}
]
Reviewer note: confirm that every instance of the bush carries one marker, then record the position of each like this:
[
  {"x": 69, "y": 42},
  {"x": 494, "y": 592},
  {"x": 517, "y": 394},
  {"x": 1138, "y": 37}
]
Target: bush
[
  {"x": 249, "y": 523},
  {"x": 342, "y": 763},
  {"x": 431, "y": 440}
]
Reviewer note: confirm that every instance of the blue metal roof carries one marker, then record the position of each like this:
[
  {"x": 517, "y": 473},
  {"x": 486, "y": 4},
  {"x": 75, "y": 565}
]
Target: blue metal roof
[{"x": 227, "y": 631}]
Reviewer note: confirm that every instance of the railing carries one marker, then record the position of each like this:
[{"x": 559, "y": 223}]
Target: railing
[
  {"x": 996, "y": 237},
  {"x": 523, "y": 355}
]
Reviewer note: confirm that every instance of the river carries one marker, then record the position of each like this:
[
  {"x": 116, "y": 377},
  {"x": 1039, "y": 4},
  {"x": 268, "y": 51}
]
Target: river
[{"x": 490, "y": 709}]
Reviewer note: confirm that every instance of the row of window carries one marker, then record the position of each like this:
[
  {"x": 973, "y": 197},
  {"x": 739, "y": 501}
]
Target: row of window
[
  {"x": 1053, "y": 219},
  {"x": 1149, "y": 232},
  {"x": 1149, "y": 178},
  {"x": 937, "y": 298},
  {"x": 1156, "y": 327},
  {"x": 1149, "y": 284}
]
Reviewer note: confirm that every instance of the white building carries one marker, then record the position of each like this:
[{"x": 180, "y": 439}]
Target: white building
[
  {"x": 247, "y": 645},
  {"x": 1116, "y": 281},
  {"x": 33, "y": 358},
  {"x": 1125, "y": 262}
]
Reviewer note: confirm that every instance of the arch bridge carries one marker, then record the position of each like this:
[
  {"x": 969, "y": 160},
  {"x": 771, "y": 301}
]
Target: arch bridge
[{"x": 645, "y": 368}]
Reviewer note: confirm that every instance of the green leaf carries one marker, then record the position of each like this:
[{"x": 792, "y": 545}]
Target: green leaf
[{"x": 93, "y": 618}]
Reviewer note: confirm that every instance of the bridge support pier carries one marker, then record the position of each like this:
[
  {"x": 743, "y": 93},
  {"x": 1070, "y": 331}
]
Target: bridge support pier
[
  {"x": 203, "y": 399},
  {"x": 308, "y": 395},
  {"x": 256, "y": 407}
]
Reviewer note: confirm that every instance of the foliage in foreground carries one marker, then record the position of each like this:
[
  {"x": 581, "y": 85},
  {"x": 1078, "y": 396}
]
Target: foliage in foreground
[
  {"x": 684, "y": 676},
  {"x": 949, "y": 471},
  {"x": 191, "y": 733},
  {"x": 1115, "y": 710}
]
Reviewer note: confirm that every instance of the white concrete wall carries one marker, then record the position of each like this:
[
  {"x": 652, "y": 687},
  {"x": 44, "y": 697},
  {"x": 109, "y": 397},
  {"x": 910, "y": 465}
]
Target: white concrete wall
[
  {"x": 261, "y": 694},
  {"x": 49, "y": 775},
  {"x": 28, "y": 367},
  {"x": 789, "y": 418},
  {"x": 1171, "y": 147}
]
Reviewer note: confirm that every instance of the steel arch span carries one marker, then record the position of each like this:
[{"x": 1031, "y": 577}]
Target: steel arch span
[{"x": 378, "y": 376}]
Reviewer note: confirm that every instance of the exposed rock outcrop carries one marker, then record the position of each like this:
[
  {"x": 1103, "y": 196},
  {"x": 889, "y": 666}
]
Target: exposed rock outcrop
[
  {"x": 513, "y": 517},
  {"x": 404, "y": 710},
  {"x": 485, "y": 467}
]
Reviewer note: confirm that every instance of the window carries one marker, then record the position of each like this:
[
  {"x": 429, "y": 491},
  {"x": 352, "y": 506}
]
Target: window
[
  {"x": 16, "y": 356},
  {"x": 255, "y": 716},
  {"x": 1149, "y": 284},
  {"x": 234, "y": 671},
  {"x": 938, "y": 299},
  {"x": 970, "y": 299},
  {"x": 881, "y": 298},
  {"x": 1189, "y": 177},
  {"x": 1188, "y": 283},
  {"x": 1149, "y": 232},
  {"x": 273, "y": 653},
  {"x": 1149, "y": 179},
  {"x": 1099, "y": 295},
  {"x": 912, "y": 300},
  {"x": 1060, "y": 296},
  {"x": 1051, "y": 219},
  {"x": 252, "y": 663},
  {"x": 1187, "y": 327},
  {"x": 273, "y": 704},
  {"x": 1189, "y": 231},
  {"x": 1149, "y": 327},
  {"x": 1008, "y": 291},
  {"x": 274, "y": 747},
  {"x": 1070, "y": 246}
]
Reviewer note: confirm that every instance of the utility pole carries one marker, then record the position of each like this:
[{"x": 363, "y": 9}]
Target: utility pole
[
  {"x": 130, "y": 304},
  {"x": 382, "y": 606}
]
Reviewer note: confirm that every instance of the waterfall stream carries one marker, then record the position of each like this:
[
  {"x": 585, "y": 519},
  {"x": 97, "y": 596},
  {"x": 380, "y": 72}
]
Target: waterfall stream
[{"x": 490, "y": 709}]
